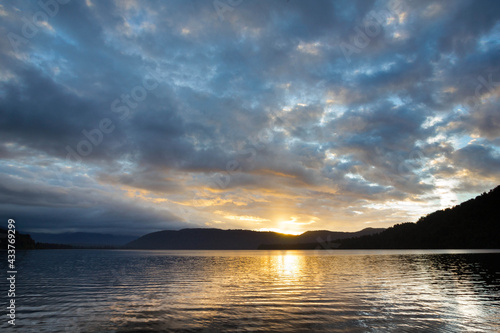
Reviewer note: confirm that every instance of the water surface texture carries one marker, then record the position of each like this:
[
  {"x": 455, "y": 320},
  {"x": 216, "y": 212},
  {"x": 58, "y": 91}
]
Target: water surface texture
[{"x": 259, "y": 291}]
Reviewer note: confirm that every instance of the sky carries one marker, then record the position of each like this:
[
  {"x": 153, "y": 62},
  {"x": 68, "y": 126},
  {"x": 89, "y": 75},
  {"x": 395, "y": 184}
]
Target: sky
[{"x": 129, "y": 117}]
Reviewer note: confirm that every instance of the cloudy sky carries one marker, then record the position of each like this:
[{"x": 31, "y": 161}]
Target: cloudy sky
[{"x": 130, "y": 117}]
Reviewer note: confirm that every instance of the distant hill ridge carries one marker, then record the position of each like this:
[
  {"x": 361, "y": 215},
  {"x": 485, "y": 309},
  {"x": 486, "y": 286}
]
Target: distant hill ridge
[
  {"x": 474, "y": 224},
  {"x": 218, "y": 239},
  {"x": 84, "y": 239}
]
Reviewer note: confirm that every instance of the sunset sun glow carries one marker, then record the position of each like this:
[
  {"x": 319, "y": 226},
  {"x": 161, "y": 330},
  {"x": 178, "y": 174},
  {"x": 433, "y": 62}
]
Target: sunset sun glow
[{"x": 233, "y": 119}]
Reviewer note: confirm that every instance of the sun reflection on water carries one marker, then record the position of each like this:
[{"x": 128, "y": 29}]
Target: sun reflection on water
[
  {"x": 214, "y": 291},
  {"x": 288, "y": 264}
]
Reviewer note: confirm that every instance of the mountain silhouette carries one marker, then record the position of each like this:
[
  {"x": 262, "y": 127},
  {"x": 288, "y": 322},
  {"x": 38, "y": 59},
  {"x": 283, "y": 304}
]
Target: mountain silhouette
[
  {"x": 83, "y": 239},
  {"x": 218, "y": 239},
  {"x": 474, "y": 224},
  {"x": 22, "y": 241}
]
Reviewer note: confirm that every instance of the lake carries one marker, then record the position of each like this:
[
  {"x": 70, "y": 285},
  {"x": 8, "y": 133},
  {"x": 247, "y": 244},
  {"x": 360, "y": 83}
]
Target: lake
[{"x": 256, "y": 291}]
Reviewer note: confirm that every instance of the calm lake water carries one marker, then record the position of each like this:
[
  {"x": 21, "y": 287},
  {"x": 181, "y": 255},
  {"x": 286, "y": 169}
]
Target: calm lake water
[{"x": 261, "y": 291}]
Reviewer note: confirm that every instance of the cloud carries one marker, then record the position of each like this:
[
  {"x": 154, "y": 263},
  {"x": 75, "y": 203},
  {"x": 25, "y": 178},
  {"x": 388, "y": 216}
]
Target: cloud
[
  {"x": 479, "y": 159},
  {"x": 259, "y": 114}
]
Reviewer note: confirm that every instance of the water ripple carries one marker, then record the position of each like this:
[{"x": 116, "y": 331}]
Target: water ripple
[{"x": 268, "y": 291}]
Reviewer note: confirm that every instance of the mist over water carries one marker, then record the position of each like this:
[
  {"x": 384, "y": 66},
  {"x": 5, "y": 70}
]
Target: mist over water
[{"x": 261, "y": 291}]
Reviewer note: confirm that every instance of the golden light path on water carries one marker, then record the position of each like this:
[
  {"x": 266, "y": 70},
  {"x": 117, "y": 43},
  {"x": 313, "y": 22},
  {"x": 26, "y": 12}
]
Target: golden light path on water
[{"x": 266, "y": 291}]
